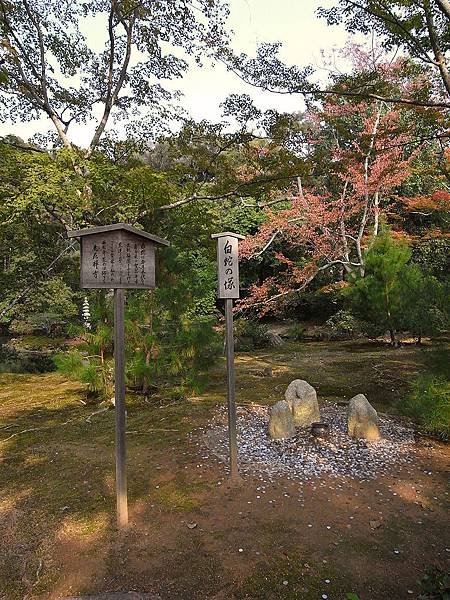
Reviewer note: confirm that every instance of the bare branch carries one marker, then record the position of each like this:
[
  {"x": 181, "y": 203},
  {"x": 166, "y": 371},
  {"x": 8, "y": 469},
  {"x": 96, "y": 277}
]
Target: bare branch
[{"x": 272, "y": 239}]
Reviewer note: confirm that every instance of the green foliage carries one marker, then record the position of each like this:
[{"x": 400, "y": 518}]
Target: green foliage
[
  {"x": 42, "y": 39},
  {"x": 170, "y": 335},
  {"x": 344, "y": 325},
  {"x": 16, "y": 361},
  {"x": 46, "y": 309},
  {"x": 427, "y": 302},
  {"x": 378, "y": 297},
  {"x": 435, "y": 584},
  {"x": 433, "y": 256},
  {"x": 93, "y": 372},
  {"x": 394, "y": 294},
  {"x": 91, "y": 361},
  {"x": 297, "y": 332},
  {"x": 251, "y": 334},
  {"x": 242, "y": 219},
  {"x": 429, "y": 404}
]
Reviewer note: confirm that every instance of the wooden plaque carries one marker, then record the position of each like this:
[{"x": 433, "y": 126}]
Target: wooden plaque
[
  {"x": 117, "y": 259},
  {"x": 228, "y": 267}
]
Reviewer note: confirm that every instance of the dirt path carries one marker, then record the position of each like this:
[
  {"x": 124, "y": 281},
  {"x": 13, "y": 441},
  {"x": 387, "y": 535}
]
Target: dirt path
[{"x": 282, "y": 540}]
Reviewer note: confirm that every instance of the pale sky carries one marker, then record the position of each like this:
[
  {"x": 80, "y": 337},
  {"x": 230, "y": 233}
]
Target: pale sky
[{"x": 293, "y": 22}]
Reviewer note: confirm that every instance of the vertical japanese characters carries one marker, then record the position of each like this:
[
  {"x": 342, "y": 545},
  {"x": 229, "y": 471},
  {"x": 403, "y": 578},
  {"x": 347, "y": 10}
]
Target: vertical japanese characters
[
  {"x": 228, "y": 267},
  {"x": 120, "y": 260}
]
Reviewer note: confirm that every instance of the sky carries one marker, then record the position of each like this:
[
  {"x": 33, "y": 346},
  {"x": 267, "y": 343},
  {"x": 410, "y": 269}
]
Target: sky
[{"x": 293, "y": 22}]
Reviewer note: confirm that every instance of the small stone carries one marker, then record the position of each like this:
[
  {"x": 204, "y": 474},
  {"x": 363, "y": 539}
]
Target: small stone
[
  {"x": 241, "y": 550},
  {"x": 285, "y": 582},
  {"x": 375, "y": 524}
]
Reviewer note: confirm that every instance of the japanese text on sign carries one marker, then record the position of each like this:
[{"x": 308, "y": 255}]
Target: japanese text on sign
[
  {"x": 228, "y": 267},
  {"x": 117, "y": 260}
]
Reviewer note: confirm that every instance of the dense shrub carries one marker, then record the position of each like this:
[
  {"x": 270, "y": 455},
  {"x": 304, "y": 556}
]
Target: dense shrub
[
  {"x": 429, "y": 404},
  {"x": 94, "y": 371},
  {"x": 251, "y": 334},
  {"x": 344, "y": 325},
  {"x": 15, "y": 361},
  {"x": 297, "y": 332}
]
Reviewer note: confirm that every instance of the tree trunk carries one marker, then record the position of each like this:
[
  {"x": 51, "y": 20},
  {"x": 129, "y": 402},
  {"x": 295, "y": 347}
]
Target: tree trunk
[
  {"x": 436, "y": 46},
  {"x": 146, "y": 382},
  {"x": 393, "y": 338}
]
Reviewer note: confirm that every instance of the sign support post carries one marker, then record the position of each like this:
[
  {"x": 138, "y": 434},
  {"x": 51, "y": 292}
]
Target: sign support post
[
  {"x": 118, "y": 257},
  {"x": 119, "y": 391},
  {"x": 231, "y": 388},
  {"x": 228, "y": 289}
]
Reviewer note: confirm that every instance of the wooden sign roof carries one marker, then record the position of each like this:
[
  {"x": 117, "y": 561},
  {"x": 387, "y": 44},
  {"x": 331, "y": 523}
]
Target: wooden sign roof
[
  {"x": 79, "y": 233},
  {"x": 227, "y": 234}
]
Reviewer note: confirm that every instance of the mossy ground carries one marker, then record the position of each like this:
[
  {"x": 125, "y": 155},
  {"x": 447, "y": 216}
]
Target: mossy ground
[{"x": 57, "y": 497}]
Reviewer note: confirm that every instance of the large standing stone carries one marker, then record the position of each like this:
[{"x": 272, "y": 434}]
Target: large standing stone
[
  {"x": 302, "y": 400},
  {"x": 362, "y": 419},
  {"x": 281, "y": 423}
]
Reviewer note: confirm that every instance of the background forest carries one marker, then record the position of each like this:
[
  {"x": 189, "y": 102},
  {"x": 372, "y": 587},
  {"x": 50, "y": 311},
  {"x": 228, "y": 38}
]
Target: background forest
[{"x": 344, "y": 204}]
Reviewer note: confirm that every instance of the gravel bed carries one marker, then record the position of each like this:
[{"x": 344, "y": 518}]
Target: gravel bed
[{"x": 306, "y": 458}]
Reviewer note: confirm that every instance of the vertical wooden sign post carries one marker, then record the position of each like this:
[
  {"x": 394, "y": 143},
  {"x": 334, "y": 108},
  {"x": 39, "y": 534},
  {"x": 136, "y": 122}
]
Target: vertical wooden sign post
[
  {"x": 228, "y": 289},
  {"x": 118, "y": 257}
]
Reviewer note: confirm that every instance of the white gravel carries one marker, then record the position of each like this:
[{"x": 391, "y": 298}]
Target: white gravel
[{"x": 305, "y": 458}]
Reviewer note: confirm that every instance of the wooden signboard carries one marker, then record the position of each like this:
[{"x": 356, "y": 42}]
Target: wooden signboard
[
  {"x": 228, "y": 289},
  {"x": 118, "y": 257},
  {"x": 228, "y": 264}
]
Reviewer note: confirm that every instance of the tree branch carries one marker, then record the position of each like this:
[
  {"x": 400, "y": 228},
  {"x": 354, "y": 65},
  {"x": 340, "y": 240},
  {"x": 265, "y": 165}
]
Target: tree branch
[
  {"x": 112, "y": 96},
  {"x": 307, "y": 281},
  {"x": 444, "y": 6},
  {"x": 438, "y": 54},
  {"x": 232, "y": 194},
  {"x": 348, "y": 93},
  {"x": 391, "y": 18}
]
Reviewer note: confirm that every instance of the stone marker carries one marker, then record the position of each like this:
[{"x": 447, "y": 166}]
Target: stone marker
[
  {"x": 302, "y": 400},
  {"x": 281, "y": 423},
  {"x": 362, "y": 419}
]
